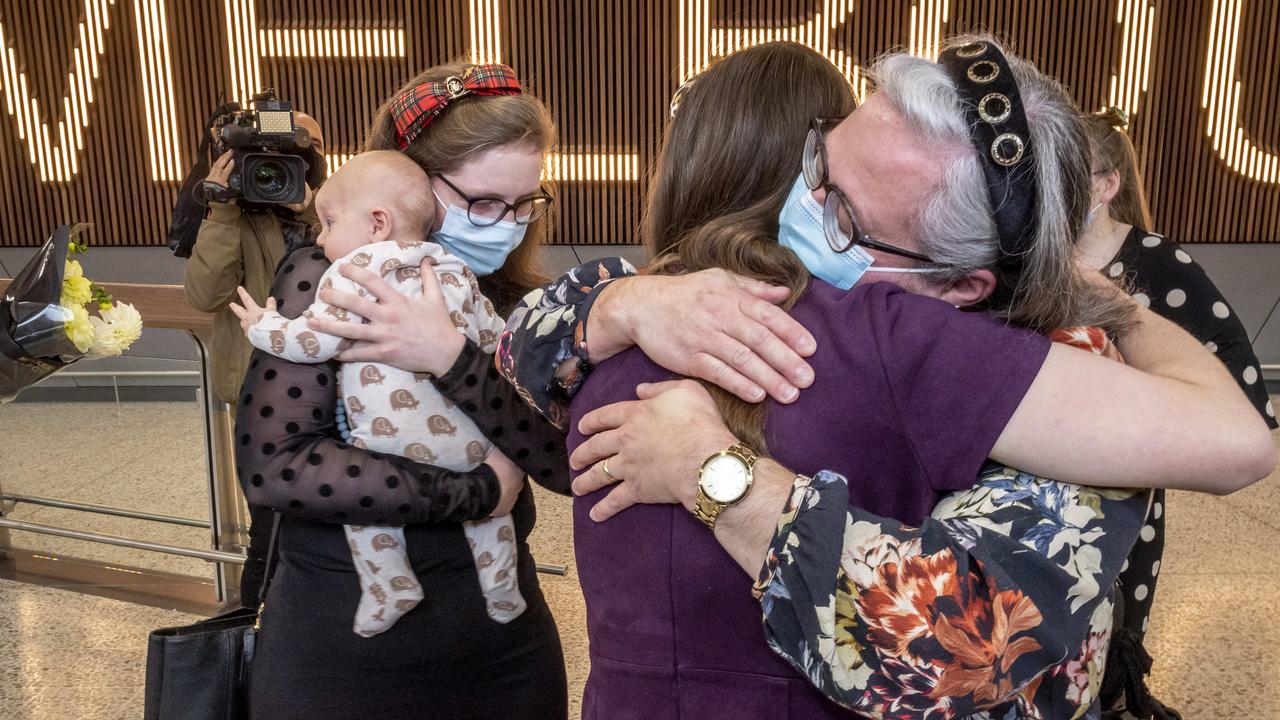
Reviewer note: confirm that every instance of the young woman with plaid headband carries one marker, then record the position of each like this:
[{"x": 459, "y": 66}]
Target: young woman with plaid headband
[{"x": 482, "y": 141}]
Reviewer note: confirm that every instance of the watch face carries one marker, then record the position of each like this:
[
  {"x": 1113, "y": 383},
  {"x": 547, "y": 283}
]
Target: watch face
[{"x": 724, "y": 479}]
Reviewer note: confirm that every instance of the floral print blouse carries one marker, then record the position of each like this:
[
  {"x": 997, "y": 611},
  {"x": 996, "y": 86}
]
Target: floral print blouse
[{"x": 996, "y": 607}]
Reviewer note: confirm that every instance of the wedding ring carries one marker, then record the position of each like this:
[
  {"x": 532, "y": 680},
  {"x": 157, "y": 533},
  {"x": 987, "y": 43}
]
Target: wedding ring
[{"x": 604, "y": 468}]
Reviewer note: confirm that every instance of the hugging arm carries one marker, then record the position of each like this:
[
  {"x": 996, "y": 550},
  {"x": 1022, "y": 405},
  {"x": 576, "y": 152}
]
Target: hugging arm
[
  {"x": 1173, "y": 417},
  {"x": 543, "y": 350},
  {"x": 710, "y": 324},
  {"x": 974, "y": 609}
]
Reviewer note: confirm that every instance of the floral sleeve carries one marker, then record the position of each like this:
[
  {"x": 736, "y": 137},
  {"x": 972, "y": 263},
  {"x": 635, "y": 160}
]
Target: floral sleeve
[
  {"x": 997, "y": 606},
  {"x": 543, "y": 351}
]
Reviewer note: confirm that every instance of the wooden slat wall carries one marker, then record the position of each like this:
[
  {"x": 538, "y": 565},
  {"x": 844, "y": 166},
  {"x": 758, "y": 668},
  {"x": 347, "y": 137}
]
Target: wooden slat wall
[{"x": 607, "y": 70}]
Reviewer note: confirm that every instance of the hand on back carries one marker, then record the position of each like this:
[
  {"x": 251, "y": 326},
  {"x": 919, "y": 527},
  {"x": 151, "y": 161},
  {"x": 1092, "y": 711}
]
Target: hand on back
[{"x": 722, "y": 328}]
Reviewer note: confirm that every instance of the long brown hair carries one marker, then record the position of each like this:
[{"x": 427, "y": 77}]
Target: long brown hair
[
  {"x": 468, "y": 127},
  {"x": 1112, "y": 151},
  {"x": 727, "y": 164}
]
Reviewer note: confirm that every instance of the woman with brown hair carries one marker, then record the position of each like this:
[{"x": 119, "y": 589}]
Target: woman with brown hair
[
  {"x": 482, "y": 140},
  {"x": 1162, "y": 276}
]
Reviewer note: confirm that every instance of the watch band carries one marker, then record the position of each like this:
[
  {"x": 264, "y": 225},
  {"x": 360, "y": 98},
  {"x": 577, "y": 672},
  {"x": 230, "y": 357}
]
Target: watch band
[{"x": 707, "y": 510}]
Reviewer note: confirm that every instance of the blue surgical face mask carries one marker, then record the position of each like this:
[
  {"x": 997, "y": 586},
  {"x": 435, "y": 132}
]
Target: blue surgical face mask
[
  {"x": 483, "y": 249},
  {"x": 800, "y": 230}
]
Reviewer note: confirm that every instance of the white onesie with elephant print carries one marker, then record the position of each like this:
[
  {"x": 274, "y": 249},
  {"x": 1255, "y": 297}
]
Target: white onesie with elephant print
[{"x": 399, "y": 412}]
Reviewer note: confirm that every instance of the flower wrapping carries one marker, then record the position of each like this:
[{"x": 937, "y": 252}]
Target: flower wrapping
[{"x": 44, "y": 324}]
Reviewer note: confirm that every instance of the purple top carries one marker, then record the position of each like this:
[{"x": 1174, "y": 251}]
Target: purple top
[{"x": 909, "y": 397}]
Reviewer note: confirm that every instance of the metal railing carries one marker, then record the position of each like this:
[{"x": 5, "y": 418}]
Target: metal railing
[
  {"x": 166, "y": 306},
  {"x": 209, "y": 555},
  {"x": 126, "y": 373},
  {"x": 101, "y": 510}
]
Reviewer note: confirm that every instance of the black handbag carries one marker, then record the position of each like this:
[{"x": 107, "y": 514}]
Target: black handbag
[{"x": 203, "y": 671}]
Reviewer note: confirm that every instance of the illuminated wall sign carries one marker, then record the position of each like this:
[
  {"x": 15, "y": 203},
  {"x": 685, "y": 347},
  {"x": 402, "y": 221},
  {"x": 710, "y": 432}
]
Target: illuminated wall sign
[
  {"x": 562, "y": 167},
  {"x": 105, "y": 100},
  {"x": 155, "y": 71},
  {"x": 700, "y": 43},
  {"x": 331, "y": 43},
  {"x": 52, "y": 151},
  {"x": 333, "y": 161},
  {"x": 485, "y": 25},
  {"x": 247, "y": 43},
  {"x": 1137, "y": 19},
  {"x": 486, "y": 31},
  {"x": 244, "y": 47},
  {"x": 1221, "y": 98}
]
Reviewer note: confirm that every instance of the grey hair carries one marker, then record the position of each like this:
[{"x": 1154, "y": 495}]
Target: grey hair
[{"x": 956, "y": 227}]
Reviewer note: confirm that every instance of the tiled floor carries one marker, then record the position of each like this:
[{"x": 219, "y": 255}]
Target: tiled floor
[{"x": 68, "y": 655}]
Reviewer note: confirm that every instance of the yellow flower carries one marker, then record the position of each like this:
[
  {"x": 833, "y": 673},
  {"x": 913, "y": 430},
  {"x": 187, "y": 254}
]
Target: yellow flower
[
  {"x": 72, "y": 269},
  {"x": 76, "y": 291},
  {"x": 116, "y": 330},
  {"x": 79, "y": 330}
]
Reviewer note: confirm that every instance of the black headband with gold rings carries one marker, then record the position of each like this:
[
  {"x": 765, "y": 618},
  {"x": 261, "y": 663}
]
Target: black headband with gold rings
[{"x": 998, "y": 129}]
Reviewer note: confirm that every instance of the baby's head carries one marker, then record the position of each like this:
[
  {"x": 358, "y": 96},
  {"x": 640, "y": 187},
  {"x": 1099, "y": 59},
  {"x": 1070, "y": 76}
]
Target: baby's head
[{"x": 377, "y": 195}]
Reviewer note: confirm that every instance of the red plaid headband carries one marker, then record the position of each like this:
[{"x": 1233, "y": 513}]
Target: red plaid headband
[{"x": 421, "y": 104}]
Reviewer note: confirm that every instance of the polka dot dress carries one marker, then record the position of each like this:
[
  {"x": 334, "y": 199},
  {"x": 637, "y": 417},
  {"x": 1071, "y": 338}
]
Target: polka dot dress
[
  {"x": 289, "y": 456},
  {"x": 1165, "y": 278}
]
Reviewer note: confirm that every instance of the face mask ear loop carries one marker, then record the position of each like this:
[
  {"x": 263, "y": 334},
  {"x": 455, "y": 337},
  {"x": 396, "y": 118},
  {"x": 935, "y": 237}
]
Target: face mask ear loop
[
  {"x": 903, "y": 271},
  {"x": 444, "y": 207}
]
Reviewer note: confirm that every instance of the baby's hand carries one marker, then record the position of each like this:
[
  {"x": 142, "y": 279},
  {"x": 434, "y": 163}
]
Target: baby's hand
[{"x": 250, "y": 313}]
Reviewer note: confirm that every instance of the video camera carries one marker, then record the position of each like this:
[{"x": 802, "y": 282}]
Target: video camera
[{"x": 273, "y": 156}]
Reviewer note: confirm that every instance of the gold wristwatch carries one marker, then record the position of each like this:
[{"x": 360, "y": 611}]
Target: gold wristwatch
[{"x": 724, "y": 480}]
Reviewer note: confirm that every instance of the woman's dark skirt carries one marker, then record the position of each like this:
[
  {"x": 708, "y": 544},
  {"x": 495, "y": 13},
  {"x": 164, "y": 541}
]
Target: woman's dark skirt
[{"x": 444, "y": 659}]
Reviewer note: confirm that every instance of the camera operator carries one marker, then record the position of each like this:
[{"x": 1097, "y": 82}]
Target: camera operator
[{"x": 241, "y": 243}]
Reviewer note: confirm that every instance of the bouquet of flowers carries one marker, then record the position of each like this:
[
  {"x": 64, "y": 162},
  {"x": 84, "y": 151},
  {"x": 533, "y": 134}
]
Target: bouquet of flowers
[{"x": 45, "y": 322}]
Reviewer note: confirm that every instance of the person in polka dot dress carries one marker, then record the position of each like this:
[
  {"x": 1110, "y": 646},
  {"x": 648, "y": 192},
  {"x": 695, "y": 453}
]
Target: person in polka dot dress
[
  {"x": 447, "y": 657},
  {"x": 364, "y": 224},
  {"x": 1163, "y": 277}
]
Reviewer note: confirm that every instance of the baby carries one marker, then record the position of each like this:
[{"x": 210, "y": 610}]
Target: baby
[{"x": 375, "y": 212}]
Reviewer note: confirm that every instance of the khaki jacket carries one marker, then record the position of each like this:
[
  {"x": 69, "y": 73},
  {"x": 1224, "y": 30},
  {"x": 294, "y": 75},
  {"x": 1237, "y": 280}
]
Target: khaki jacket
[{"x": 229, "y": 253}]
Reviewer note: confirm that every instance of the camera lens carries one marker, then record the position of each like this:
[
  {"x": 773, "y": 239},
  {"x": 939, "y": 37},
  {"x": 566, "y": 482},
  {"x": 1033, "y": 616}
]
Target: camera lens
[
  {"x": 273, "y": 178},
  {"x": 270, "y": 180}
]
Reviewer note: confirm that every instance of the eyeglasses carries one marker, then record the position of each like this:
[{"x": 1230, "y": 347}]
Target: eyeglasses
[
  {"x": 485, "y": 211},
  {"x": 838, "y": 222}
]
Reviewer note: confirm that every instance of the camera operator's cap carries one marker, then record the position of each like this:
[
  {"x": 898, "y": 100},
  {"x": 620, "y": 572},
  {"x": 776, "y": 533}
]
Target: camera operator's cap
[{"x": 422, "y": 103}]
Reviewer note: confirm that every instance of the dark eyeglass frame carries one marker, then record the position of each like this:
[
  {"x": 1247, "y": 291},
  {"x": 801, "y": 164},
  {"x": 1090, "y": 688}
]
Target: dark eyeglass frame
[
  {"x": 537, "y": 209},
  {"x": 814, "y": 164}
]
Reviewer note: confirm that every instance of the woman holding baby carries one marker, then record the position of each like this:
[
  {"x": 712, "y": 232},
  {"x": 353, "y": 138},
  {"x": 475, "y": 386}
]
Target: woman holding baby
[{"x": 383, "y": 532}]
